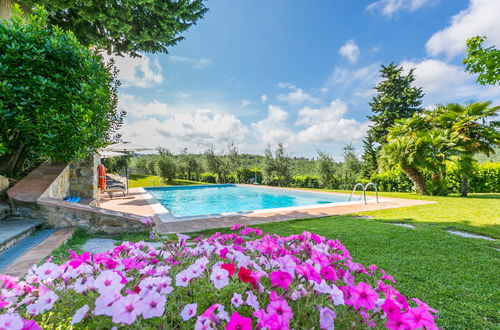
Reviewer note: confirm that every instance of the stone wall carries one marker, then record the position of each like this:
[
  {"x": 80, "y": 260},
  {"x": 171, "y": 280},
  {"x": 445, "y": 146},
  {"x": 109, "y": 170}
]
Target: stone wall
[
  {"x": 59, "y": 188},
  {"x": 62, "y": 214},
  {"x": 83, "y": 178}
]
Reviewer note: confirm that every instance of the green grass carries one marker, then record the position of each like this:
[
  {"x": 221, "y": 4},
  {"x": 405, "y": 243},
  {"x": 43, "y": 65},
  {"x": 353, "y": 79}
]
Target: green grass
[
  {"x": 137, "y": 180},
  {"x": 458, "y": 276}
]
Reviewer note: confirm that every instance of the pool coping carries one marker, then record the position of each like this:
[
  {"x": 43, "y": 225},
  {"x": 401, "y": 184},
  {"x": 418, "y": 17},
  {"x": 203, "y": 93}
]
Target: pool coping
[{"x": 167, "y": 217}]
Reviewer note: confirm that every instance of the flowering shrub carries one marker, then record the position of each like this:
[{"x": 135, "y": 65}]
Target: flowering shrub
[{"x": 240, "y": 280}]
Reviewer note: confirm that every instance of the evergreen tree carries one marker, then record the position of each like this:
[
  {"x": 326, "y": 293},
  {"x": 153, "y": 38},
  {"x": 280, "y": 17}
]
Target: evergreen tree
[
  {"x": 396, "y": 98},
  {"x": 325, "y": 170},
  {"x": 351, "y": 167},
  {"x": 370, "y": 162}
]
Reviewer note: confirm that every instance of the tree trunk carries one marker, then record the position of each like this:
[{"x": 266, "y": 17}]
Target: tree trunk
[
  {"x": 417, "y": 179},
  {"x": 9, "y": 161},
  {"x": 6, "y": 8},
  {"x": 465, "y": 186}
]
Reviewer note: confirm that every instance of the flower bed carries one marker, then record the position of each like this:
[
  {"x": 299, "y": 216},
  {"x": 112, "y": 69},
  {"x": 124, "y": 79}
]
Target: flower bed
[{"x": 240, "y": 280}]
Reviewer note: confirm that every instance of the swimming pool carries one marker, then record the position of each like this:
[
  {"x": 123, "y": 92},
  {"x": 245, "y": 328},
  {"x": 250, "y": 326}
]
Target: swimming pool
[{"x": 204, "y": 200}]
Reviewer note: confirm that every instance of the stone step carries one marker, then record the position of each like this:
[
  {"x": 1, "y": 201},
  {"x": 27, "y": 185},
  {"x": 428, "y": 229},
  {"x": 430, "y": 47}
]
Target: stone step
[
  {"x": 4, "y": 210},
  {"x": 14, "y": 229}
]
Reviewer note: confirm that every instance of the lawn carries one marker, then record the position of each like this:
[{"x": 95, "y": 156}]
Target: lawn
[
  {"x": 458, "y": 276},
  {"x": 137, "y": 180}
]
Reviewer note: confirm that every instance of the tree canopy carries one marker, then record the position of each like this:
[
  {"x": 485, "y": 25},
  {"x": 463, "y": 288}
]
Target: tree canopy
[
  {"x": 483, "y": 61},
  {"x": 124, "y": 26},
  {"x": 58, "y": 100}
]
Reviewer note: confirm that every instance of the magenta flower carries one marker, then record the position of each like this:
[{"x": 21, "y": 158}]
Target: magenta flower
[
  {"x": 147, "y": 221},
  {"x": 236, "y": 227},
  {"x": 419, "y": 317},
  {"x": 30, "y": 325},
  {"x": 280, "y": 279},
  {"x": 238, "y": 322},
  {"x": 329, "y": 273},
  {"x": 362, "y": 295},
  {"x": 280, "y": 308},
  {"x": 153, "y": 305},
  {"x": 189, "y": 311},
  {"x": 80, "y": 314},
  {"x": 392, "y": 310},
  {"x": 326, "y": 318},
  {"x": 126, "y": 309}
]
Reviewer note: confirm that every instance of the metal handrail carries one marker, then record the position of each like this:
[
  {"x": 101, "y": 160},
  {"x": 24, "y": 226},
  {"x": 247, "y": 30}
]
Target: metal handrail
[
  {"x": 354, "y": 189},
  {"x": 374, "y": 186}
]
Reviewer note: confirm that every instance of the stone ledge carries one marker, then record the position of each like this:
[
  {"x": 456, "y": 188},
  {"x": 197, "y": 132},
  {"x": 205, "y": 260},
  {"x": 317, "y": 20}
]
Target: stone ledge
[{"x": 61, "y": 214}]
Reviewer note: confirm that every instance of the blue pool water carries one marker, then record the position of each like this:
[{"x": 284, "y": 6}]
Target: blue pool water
[{"x": 215, "y": 199}]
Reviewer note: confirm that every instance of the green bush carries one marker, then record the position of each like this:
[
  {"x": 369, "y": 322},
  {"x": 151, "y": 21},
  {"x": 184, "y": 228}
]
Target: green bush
[
  {"x": 485, "y": 178},
  {"x": 208, "y": 177},
  {"x": 231, "y": 178},
  {"x": 165, "y": 167},
  {"x": 305, "y": 181},
  {"x": 395, "y": 181},
  {"x": 58, "y": 99},
  {"x": 243, "y": 175}
]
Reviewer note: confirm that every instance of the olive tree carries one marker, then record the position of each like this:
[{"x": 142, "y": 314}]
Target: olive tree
[{"x": 58, "y": 99}]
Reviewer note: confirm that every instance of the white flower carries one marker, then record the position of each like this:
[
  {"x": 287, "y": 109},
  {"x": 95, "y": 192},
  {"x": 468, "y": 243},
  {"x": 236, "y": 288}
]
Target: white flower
[
  {"x": 189, "y": 311},
  {"x": 80, "y": 314},
  {"x": 220, "y": 278}
]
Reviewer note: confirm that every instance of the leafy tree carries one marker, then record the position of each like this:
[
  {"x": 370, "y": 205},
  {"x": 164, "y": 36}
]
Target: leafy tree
[
  {"x": 477, "y": 132},
  {"x": 370, "y": 159},
  {"x": 351, "y": 167},
  {"x": 277, "y": 165},
  {"x": 165, "y": 167},
  {"x": 232, "y": 158},
  {"x": 116, "y": 164},
  {"x": 126, "y": 26},
  {"x": 58, "y": 100},
  {"x": 213, "y": 163},
  {"x": 483, "y": 61},
  {"x": 396, "y": 98},
  {"x": 326, "y": 171},
  {"x": 190, "y": 165}
]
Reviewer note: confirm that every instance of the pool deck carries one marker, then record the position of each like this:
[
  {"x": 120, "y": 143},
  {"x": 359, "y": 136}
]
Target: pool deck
[{"x": 137, "y": 203}]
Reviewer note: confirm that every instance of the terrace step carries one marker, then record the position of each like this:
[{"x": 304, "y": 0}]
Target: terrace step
[
  {"x": 4, "y": 210},
  {"x": 17, "y": 236},
  {"x": 14, "y": 229}
]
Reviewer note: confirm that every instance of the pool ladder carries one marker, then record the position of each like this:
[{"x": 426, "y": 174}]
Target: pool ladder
[{"x": 363, "y": 194}]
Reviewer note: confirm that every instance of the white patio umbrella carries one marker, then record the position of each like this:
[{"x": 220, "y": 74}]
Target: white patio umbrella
[
  {"x": 124, "y": 148},
  {"x": 110, "y": 154}
]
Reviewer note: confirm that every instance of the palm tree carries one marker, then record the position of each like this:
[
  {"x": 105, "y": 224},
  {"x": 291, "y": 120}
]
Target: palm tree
[{"x": 477, "y": 134}]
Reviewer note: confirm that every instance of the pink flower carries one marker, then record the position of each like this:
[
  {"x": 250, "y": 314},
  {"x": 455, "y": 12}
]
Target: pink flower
[
  {"x": 48, "y": 271},
  {"x": 46, "y": 301},
  {"x": 252, "y": 301},
  {"x": 210, "y": 315},
  {"x": 236, "y": 227},
  {"x": 329, "y": 273},
  {"x": 237, "y": 300},
  {"x": 126, "y": 309},
  {"x": 80, "y": 314},
  {"x": 189, "y": 311},
  {"x": 108, "y": 281},
  {"x": 153, "y": 305},
  {"x": 385, "y": 276},
  {"x": 326, "y": 318},
  {"x": 419, "y": 317},
  {"x": 362, "y": 295},
  {"x": 280, "y": 308},
  {"x": 220, "y": 278},
  {"x": 147, "y": 221},
  {"x": 392, "y": 310},
  {"x": 30, "y": 325},
  {"x": 320, "y": 259},
  {"x": 183, "y": 278},
  {"x": 104, "y": 304},
  {"x": 10, "y": 321},
  {"x": 280, "y": 279},
  {"x": 238, "y": 322}
]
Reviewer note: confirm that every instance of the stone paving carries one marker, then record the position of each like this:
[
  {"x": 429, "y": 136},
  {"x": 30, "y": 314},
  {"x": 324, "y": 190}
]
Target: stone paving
[
  {"x": 99, "y": 245},
  {"x": 468, "y": 235},
  {"x": 133, "y": 203}
]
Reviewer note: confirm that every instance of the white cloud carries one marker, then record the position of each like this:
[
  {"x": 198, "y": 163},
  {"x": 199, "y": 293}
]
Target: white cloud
[
  {"x": 328, "y": 125},
  {"x": 245, "y": 103},
  {"x": 137, "y": 71},
  {"x": 480, "y": 18},
  {"x": 137, "y": 110},
  {"x": 389, "y": 7},
  {"x": 196, "y": 63},
  {"x": 356, "y": 85},
  {"x": 264, "y": 98},
  {"x": 350, "y": 51},
  {"x": 444, "y": 83},
  {"x": 273, "y": 128},
  {"x": 286, "y": 85},
  {"x": 296, "y": 96}
]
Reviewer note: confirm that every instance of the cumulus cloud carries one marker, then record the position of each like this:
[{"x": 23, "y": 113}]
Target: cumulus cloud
[
  {"x": 480, "y": 18},
  {"x": 443, "y": 82},
  {"x": 138, "y": 110},
  {"x": 357, "y": 85},
  {"x": 273, "y": 128},
  {"x": 350, "y": 51},
  {"x": 328, "y": 125},
  {"x": 264, "y": 98},
  {"x": 389, "y": 7},
  {"x": 196, "y": 63},
  {"x": 296, "y": 96},
  {"x": 137, "y": 71}
]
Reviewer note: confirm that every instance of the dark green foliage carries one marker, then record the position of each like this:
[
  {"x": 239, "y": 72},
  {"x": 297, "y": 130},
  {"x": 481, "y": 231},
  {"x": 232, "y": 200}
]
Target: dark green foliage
[
  {"x": 392, "y": 181},
  {"x": 247, "y": 175},
  {"x": 483, "y": 61},
  {"x": 116, "y": 164},
  {"x": 57, "y": 97},
  {"x": 126, "y": 26},
  {"x": 165, "y": 168},
  {"x": 305, "y": 181},
  {"x": 208, "y": 177},
  {"x": 396, "y": 98},
  {"x": 351, "y": 168},
  {"x": 370, "y": 158},
  {"x": 277, "y": 166},
  {"x": 483, "y": 178}
]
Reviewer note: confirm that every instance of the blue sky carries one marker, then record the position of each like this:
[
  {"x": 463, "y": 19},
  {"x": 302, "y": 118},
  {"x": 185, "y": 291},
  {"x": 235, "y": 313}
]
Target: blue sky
[{"x": 299, "y": 72}]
